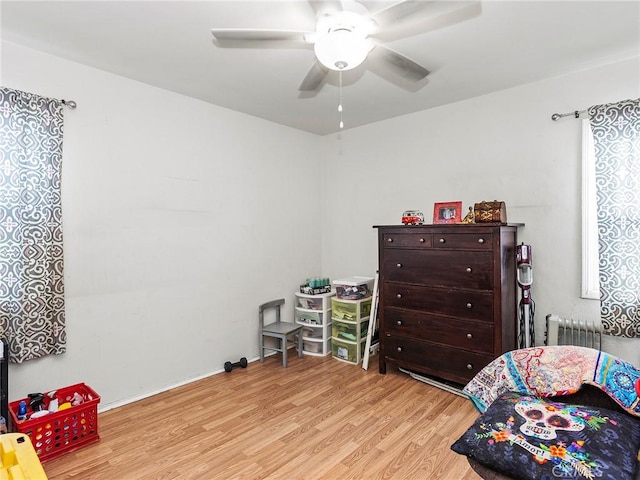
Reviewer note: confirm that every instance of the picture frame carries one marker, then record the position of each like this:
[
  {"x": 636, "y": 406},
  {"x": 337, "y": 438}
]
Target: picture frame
[{"x": 447, "y": 212}]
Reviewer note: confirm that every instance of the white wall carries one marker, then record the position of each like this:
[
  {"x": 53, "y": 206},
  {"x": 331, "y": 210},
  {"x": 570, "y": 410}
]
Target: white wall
[
  {"x": 180, "y": 218},
  {"x": 501, "y": 146}
]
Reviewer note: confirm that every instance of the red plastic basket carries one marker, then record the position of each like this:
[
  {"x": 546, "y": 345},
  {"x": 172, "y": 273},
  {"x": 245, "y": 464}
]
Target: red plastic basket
[{"x": 61, "y": 432}]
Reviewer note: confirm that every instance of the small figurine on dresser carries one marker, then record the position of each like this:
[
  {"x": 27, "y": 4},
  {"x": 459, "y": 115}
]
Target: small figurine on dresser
[{"x": 469, "y": 217}]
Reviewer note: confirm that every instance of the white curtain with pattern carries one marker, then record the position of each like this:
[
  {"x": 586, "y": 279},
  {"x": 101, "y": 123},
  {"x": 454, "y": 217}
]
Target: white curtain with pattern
[
  {"x": 616, "y": 134},
  {"x": 32, "y": 313}
]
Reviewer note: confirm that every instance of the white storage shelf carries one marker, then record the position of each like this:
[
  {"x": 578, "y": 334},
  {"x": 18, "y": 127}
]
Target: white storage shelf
[{"x": 314, "y": 312}]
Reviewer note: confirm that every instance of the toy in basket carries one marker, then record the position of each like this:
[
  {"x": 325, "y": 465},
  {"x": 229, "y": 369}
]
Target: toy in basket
[{"x": 73, "y": 424}]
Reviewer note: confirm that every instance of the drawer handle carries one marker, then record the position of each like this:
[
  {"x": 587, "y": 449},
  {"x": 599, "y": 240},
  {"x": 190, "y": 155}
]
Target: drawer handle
[
  {"x": 422, "y": 240},
  {"x": 481, "y": 240},
  {"x": 469, "y": 270},
  {"x": 389, "y": 240},
  {"x": 469, "y": 366},
  {"x": 441, "y": 240},
  {"x": 399, "y": 349},
  {"x": 469, "y": 305},
  {"x": 399, "y": 265},
  {"x": 469, "y": 336},
  {"x": 399, "y": 322},
  {"x": 399, "y": 295}
]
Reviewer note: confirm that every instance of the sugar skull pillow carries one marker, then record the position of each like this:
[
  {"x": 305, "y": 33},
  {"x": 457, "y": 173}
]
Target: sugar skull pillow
[{"x": 527, "y": 437}]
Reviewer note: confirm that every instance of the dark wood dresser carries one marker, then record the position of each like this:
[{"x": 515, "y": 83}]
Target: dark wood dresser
[{"x": 447, "y": 301}]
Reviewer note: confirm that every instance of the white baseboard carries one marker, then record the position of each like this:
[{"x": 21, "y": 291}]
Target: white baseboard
[{"x": 137, "y": 398}]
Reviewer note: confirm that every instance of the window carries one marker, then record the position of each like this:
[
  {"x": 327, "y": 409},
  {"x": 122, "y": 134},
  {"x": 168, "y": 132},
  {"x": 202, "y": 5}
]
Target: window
[{"x": 590, "y": 271}]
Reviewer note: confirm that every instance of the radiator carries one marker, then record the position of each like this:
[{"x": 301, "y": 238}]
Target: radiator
[{"x": 563, "y": 331}]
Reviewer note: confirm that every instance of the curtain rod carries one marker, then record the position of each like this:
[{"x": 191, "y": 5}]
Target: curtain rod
[
  {"x": 69, "y": 103},
  {"x": 557, "y": 116}
]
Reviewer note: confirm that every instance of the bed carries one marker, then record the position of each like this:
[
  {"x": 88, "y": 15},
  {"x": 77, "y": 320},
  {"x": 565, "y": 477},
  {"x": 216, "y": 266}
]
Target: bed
[{"x": 554, "y": 412}]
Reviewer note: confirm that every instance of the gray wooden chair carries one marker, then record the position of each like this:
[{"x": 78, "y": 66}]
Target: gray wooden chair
[{"x": 280, "y": 331}]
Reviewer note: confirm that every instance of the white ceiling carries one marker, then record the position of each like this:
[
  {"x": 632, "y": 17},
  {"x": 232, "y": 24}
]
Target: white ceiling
[{"x": 168, "y": 44}]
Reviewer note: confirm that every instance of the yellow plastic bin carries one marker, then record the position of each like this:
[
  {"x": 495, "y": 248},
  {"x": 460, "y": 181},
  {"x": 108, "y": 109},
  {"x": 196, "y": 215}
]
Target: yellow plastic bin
[{"x": 19, "y": 458}]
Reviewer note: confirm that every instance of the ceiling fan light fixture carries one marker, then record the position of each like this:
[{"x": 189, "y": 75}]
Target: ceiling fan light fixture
[{"x": 342, "y": 49}]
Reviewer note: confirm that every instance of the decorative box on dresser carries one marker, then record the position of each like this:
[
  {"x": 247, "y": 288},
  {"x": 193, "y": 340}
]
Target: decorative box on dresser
[{"x": 447, "y": 304}]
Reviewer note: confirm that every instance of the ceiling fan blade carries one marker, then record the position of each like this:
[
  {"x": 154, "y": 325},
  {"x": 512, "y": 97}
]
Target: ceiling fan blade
[
  {"x": 324, "y": 7},
  {"x": 411, "y": 17},
  {"x": 400, "y": 10},
  {"x": 238, "y": 37},
  {"x": 314, "y": 78},
  {"x": 398, "y": 63}
]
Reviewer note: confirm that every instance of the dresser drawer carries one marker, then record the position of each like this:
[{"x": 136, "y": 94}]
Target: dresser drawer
[
  {"x": 446, "y": 362},
  {"x": 471, "y": 240},
  {"x": 454, "y": 332},
  {"x": 474, "y": 305},
  {"x": 407, "y": 240},
  {"x": 465, "y": 269}
]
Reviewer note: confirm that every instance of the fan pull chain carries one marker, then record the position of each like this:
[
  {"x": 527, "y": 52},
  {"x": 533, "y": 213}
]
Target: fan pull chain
[{"x": 340, "y": 99}]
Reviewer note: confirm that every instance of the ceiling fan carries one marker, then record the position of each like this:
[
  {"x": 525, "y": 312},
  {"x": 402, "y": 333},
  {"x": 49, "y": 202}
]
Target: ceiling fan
[{"x": 346, "y": 33}]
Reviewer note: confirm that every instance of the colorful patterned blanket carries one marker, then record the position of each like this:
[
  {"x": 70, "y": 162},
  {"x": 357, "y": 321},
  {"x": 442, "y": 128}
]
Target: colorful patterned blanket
[{"x": 556, "y": 370}]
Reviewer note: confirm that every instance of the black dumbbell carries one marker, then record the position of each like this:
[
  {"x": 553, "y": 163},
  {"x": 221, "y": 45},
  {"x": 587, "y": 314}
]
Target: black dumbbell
[{"x": 228, "y": 366}]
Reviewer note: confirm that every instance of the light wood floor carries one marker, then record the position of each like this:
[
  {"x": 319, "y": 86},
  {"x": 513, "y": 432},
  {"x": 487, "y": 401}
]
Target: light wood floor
[{"x": 317, "y": 419}]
